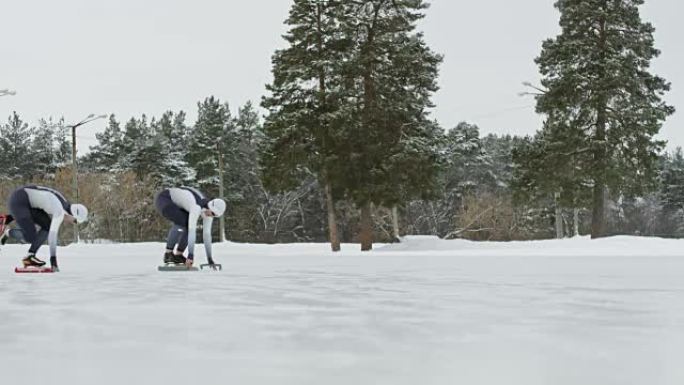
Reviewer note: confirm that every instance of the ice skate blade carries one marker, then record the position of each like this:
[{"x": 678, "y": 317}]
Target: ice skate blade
[
  {"x": 215, "y": 266},
  {"x": 33, "y": 269},
  {"x": 168, "y": 268}
]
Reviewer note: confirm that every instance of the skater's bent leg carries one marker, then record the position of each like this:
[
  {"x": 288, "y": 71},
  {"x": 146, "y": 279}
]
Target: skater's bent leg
[
  {"x": 173, "y": 237},
  {"x": 176, "y": 215},
  {"x": 183, "y": 241},
  {"x": 28, "y": 230},
  {"x": 20, "y": 209},
  {"x": 179, "y": 218},
  {"x": 42, "y": 219},
  {"x": 41, "y": 237}
]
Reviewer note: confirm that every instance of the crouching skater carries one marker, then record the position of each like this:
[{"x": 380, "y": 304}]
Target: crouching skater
[
  {"x": 39, "y": 213},
  {"x": 184, "y": 206}
]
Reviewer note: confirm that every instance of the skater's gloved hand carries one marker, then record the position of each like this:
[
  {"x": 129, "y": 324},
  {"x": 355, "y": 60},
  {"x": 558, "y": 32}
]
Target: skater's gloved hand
[
  {"x": 189, "y": 262},
  {"x": 69, "y": 219}
]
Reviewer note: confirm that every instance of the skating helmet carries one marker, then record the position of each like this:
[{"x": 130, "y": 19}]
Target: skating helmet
[
  {"x": 217, "y": 206},
  {"x": 79, "y": 212}
]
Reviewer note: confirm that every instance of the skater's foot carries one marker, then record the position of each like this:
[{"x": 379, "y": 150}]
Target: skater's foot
[
  {"x": 172, "y": 258},
  {"x": 178, "y": 259},
  {"x": 32, "y": 261},
  {"x": 168, "y": 257}
]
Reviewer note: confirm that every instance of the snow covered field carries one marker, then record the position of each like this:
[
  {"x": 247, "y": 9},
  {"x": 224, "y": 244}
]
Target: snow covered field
[{"x": 422, "y": 312}]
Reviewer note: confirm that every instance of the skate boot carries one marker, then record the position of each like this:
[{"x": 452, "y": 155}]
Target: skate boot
[
  {"x": 178, "y": 259},
  {"x": 168, "y": 257},
  {"x": 173, "y": 259},
  {"x": 32, "y": 261}
]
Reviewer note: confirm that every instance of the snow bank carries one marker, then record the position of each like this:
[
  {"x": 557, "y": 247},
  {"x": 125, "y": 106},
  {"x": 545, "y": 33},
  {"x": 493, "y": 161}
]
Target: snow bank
[{"x": 580, "y": 246}]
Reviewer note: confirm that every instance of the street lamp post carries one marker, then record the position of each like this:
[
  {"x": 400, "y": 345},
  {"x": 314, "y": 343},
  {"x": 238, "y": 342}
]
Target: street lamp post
[{"x": 90, "y": 118}]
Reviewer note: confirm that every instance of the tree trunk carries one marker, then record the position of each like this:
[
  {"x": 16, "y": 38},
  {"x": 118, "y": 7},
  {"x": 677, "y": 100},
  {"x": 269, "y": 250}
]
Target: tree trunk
[
  {"x": 222, "y": 218},
  {"x": 559, "y": 223},
  {"x": 598, "y": 217},
  {"x": 395, "y": 224},
  {"x": 366, "y": 235},
  {"x": 575, "y": 222},
  {"x": 333, "y": 235},
  {"x": 332, "y": 219},
  {"x": 559, "y": 218}
]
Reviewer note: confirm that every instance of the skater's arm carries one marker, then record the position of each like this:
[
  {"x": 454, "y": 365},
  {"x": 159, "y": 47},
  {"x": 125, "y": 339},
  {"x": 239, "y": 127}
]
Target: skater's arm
[
  {"x": 192, "y": 230},
  {"x": 206, "y": 236},
  {"x": 54, "y": 232},
  {"x": 53, "y": 206}
]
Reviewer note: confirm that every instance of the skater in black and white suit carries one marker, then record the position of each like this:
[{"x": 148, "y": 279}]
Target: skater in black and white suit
[
  {"x": 39, "y": 212},
  {"x": 183, "y": 206}
]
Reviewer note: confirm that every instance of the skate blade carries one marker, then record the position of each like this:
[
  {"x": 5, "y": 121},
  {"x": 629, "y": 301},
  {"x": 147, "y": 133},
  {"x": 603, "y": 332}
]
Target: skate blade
[
  {"x": 215, "y": 266},
  {"x": 176, "y": 268},
  {"x": 33, "y": 269}
]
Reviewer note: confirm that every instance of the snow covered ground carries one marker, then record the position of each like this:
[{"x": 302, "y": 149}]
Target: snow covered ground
[{"x": 422, "y": 312}]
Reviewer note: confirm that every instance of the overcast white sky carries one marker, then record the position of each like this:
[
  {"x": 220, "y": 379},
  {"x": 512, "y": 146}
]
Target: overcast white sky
[{"x": 74, "y": 57}]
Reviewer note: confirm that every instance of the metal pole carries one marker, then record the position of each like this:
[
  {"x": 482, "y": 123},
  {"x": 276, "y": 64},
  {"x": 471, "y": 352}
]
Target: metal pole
[
  {"x": 74, "y": 170},
  {"x": 222, "y": 219}
]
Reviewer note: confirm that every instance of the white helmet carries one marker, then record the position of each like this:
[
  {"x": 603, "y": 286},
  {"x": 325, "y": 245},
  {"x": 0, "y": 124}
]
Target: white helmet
[
  {"x": 217, "y": 206},
  {"x": 79, "y": 212}
]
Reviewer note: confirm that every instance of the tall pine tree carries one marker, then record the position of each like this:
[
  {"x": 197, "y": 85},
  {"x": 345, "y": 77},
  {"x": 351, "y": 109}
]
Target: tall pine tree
[
  {"x": 603, "y": 105},
  {"x": 306, "y": 107},
  {"x": 393, "y": 152}
]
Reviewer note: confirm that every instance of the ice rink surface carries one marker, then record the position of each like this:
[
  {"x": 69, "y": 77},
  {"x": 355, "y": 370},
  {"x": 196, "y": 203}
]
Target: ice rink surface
[{"x": 608, "y": 312}]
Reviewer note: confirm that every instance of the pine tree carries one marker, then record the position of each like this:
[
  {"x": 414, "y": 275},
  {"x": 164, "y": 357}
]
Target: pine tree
[
  {"x": 499, "y": 150},
  {"x": 602, "y": 104},
  {"x": 469, "y": 166},
  {"x": 672, "y": 181},
  {"x": 170, "y": 135},
  {"x": 671, "y": 194},
  {"x": 393, "y": 146},
  {"x": 306, "y": 105},
  {"x": 248, "y": 124},
  {"x": 107, "y": 154},
  {"x": 43, "y": 151},
  {"x": 137, "y": 132},
  {"x": 213, "y": 128},
  {"x": 15, "y": 149},
  {"x": 243, "y": 187},
  {"x": 62, "y": 143}
]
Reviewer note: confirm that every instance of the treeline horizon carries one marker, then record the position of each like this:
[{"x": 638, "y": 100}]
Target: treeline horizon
[
  {"x": 348, "y": 150},
  {"x": 475, "y": 202}
]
